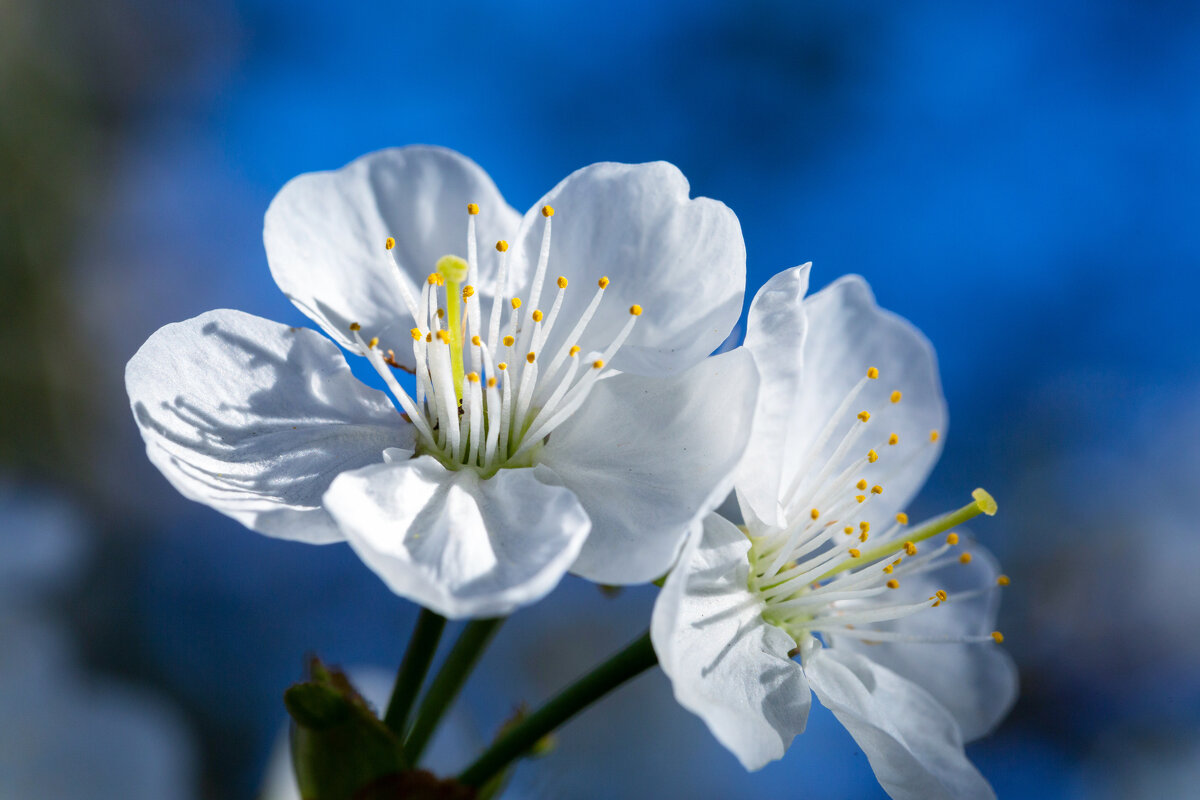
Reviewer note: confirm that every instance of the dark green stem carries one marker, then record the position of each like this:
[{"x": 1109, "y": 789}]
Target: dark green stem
[
  {"x": 636, "y": 658},
  {"x": 417, "y": 658},
  {"x": 449, "y": 681}
]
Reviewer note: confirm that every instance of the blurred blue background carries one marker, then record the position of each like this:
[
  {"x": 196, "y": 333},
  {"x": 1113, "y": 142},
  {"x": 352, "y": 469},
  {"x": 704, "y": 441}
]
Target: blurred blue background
[{"x": 1018, "y": 179}]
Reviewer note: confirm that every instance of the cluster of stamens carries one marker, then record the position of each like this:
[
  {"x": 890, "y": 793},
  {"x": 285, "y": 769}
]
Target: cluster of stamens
[
  {"x": 819, "y": 574},
  {"x": 487, "y": 396}
]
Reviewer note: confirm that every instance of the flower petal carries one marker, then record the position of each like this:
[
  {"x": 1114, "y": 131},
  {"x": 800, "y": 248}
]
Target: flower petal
[
  {"x": 912, "y": 742},
  {"x": 726, "y": 664},
  {"x": 458, "y": 544},
  {"x": 975, "y": 682},
  {"x": 775, "y": 334},
  {"x": 682, "y": 259},
  {"x": 325, "y": 231},
  {"x": 255, "y": 419},
  {"x": 647, "y": 457}
]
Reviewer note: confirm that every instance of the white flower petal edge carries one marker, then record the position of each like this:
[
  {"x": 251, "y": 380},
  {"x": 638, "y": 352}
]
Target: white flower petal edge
[
  {"x": 324, "y": 235},
  {"x": 648, "y": 458},
  {"x": 255, "y": 419},
  {"x": 914, "y": 745},
  {"x": 455, "y": 542},
  {"x": 720, "y": 655},
  {"x": 681, "y": 258}
]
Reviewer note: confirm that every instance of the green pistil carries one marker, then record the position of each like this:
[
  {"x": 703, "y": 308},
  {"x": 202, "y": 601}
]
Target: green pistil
[{"x": 454, "y": 270}]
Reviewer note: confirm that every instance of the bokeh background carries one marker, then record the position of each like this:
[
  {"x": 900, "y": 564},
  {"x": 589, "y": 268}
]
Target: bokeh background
[{"x": 1017, "y": 178}]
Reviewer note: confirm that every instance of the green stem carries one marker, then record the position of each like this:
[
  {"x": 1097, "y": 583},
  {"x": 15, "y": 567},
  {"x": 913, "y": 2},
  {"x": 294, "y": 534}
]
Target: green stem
[
  {"x": 636, "y": 658},
  {"x": 449, "y": 681},
  {"x": 417, "y": 658}
]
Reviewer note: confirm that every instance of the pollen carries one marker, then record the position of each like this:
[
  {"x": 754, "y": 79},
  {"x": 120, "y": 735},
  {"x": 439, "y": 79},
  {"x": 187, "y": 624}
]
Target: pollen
[
  {"x": 933, "y": 436},
  {"x": 598, "y": 363},
  {"x": 1003, "y": 580},
  {"x": 468, "y": 291},
  {"x": 862, "y": 498},
  {"x": 433, "y": 279},
  {"x": 443, "y": 337},
  {"x": 862, "y": 484},
  {"x": 814, "y": 513},
  {"x": 475, "y": 340},
  {"x": 389, "y": 243},
  {"x": 501, "y": 246},
  {"x": 547, "y": 211},
  {"x": 893, "y": 439},
  {"x": 887, "y": 569},
  {"x": 429, "y": 337},
  {"x": 635, "y": 310},
  {"x": 872, "y": 456},
  {"x": 530, "y": 357},
  {"x": 910, "y": 548},
  {"x": 872, "y": 372},
  {"x": 854, "y": 552},
  {"x": 863, "y": 416},
  {"x": 997, "y": 637},
  {"x": 509, "y": 341},
  {"x": 354, "y": 326},
  {"x": 864, "y": 526},
  {"x": 503, "y": 365},
  {"x": 441, "y": 312},
  {"x": 902, "y": 518},
  {"x": 537, "y": 315},
  {"x": 862, "y": 537},
  {"x": 574, "y": 350},
  {"x": 516, "y": 303},
  {"x": 372, "y": 344},
  {"x": 416, "y": 334},
  {"x": 951, "y": 538},
  {"x": 896, "y": 396},
  {"x": 473, "y": 377},
  {"x": 472, "y": 209},
  {"x": 849, "y": 529},
  {"x": 491, "y": 382},
  {"x": 603, "y": 282},
  {"x": 893, "y": 584},
  {"x": 965, "y": 558},
  {"x": 877, "y": 489},
  {"x": 562, "y": 282},
  {"x": 941, "y": 595}
]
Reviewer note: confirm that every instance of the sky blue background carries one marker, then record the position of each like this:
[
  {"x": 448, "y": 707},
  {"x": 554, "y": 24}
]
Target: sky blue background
[{"x": 1019, "y": 180}]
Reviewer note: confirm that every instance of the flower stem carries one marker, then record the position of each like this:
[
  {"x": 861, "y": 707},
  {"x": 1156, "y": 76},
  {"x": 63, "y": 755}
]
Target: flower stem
[
  {"x": 636, "y": 658},
  {"x": 449, "y": 681},
  {"x": 417, "y": 658}
]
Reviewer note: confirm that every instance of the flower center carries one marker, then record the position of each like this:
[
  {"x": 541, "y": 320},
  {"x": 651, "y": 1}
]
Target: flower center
[
  {"x": 487, "y": 397},
  {"x": 818, "y": 575}
]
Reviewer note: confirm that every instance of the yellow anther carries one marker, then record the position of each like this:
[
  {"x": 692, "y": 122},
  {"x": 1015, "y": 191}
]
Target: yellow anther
[
  {"x": 855, "y": 552},
  {"x": 965, "y": 558},
  {"x": 443, "y": 337},
  {"x": 433, "y": 279},
  {"x": 530, "y": 357},
  {"x": 635, "y": 310},
  {"x": 910, "y": 548},
  {"x": 603, "y": 282},
  {"x": 475, "y": 340},
  {"x": 508, "y": 341},
  {"x": 863, "y": 416},
  {"x": 888, "y": 569},
  {"x": 1003, "y": 580},
  {"x": 849, "y": 529},
  {"x": 951, "y": 538},
  {"x": 472, "y": 209},
  {"x": 941, "y": 595},
  {"x": 902, "y": 518},
  {"x": 473, "y": 377},
  {"x": 562, "y": 282},
  {"x": 354, "y": 326},
  {"x": 814, "y": 513},
  {"x": 441, "y": 312},
  {"x": 860, "y": 498},
  {"x": 429, "y": 337},
  {"x": 574, "y": 350},
  {"x": 537, "y": 315},
  {"x": 933, "y": 436},
  {"x": 598, "y": 363},
  {"x": 893, "y": 439},
  {"x": 516, "y": 303},
  {"x": 864, "y": 526},
  {"x": 491, "y": 382},
  {"x": 547, "y": 211},
  {"x": 416, "y": 334},
  {"x": 862, "y": 484},
  {"x": 872, "y": 456},
  {"x": 862, "y": 537},
  {"x": 501, "y": 246},
  {"x": 389, "y": 243},
  {"x": 877, "y": 489},
  {"x": 503, "y": 365},
  {"x": 372, "y": 344},
  {"x": 468, "y": 291},
  {"x": 872, "y": 373},
  {"x": 997, "y": 637},
  {"x": 893, "y": 584},
  {"x": 896, "y": 396}
]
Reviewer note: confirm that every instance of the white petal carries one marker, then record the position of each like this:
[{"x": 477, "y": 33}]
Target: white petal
[
  {"x": 847, "y": 333},
  {"x": 455, "y": 543},
  {"x": 683, "y": 260},
  {"x": 726, "y": 664},
  {"x": 255, "y": 419},
  {"x": 325, "y": 231},
  {"x": 912, "y": 742},
  {"x": 647, "y": 457},
  {"x": 977, "y": 683},
  {"x": 775, "y": 335}
]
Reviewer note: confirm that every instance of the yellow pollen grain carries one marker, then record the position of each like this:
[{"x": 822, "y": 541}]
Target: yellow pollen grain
[
  {"x": 635, "y": 310},
  {"x": 864, "y": 526},
  {"x": 432, "y": 279},
  {"x": 530, "y": 357},
  {"x": 443, "y": 337},
  {"x": 965, "y": 558},
  {"x": 862, "y": 484},
  {"x": 896, "y": 396},
  {"x": 491, "y": 382},
  {"x": 468, "y": 291},
  {"x": 472, "y": 209},
  {"x": 862, "y": 498},
  {"x": 849, "y": 529},
  {"x": 951, "y": 538},
  {"x": 863, "y": 416},
  {"x": 598, "y": 363},
  {"x": 603, "y": 282},
  {"x": 902, "y": 518},
  {"x": 997, "y": 637},
  {"x": 574, "y": 350},
  {"x": 501, "y": 246},
  {"x": 862, "y": 537},
  {"x": 516, "y": 303},
  {"x": 872, "y": 372},
  {"x": 547, "y": 211},
  {"x": 509, "y": 341},
  {"x": 475, "y": 340},
  {"x": 374, "y": 341},
  {"x": 389, "y": 243},
  {"x": 888, "y": 569},
  {"x": 893, "y": 584},
  {"x": 814, "y": 513},
  {"x": 854, "y": 552},
  {"x": 537, "y": 315},
  {"x": 473, "y": 377},
  {"x": 503, "y": 365},
  {"x": 872, "y": 456},
  {"x": 893, "y": 439},
  {"x": 941, "y": 594},
  {"x": 877, "y": 489},
  {"x": 416, "y": 334},
  {"x": 562, "y": 282},
  {"x": 354, "y": 326},
  {"x": 1003, "y": 580},
  {"x": 933, "y": 436},
  {"x": 910, "y": 548}
]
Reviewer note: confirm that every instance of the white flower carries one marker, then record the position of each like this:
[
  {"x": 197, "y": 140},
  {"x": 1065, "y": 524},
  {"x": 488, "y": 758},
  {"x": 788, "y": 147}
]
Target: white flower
[
  {"x": 891, "y": 625},
  {"x": 546, "y": 402}
]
